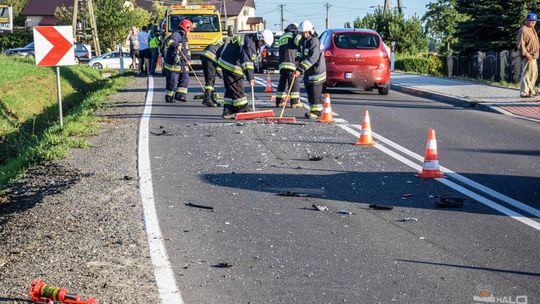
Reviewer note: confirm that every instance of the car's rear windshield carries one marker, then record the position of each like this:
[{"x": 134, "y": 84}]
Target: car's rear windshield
[
  {"x": 201, "y": 23},
  {"x": 356, "y": 41}
]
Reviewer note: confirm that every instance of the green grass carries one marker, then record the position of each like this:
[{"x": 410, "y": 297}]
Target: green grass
[{"x": 29, "y": 128}]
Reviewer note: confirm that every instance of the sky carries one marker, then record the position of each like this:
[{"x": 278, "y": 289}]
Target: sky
[{"x": 341, "y": 11}]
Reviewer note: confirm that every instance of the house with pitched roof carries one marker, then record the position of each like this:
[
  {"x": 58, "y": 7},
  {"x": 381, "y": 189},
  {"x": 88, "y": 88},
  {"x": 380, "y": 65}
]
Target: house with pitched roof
[{"x": 40, "y": 12}]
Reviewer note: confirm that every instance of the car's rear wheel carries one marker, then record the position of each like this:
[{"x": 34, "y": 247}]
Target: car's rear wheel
[
  {"x": 384, "y": 90},
  {"x": 97, "y": 66}
]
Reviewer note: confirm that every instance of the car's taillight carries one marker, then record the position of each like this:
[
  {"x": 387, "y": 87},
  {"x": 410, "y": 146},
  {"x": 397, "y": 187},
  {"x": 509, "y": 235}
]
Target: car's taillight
[
  {"x": 329, "y": 56},
  {"x": 264, "y": 53},
  {"x": 383, "y": 54}
]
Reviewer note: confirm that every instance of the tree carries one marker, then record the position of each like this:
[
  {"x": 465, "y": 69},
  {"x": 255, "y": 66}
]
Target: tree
[
  {"x": 441, "y": 20},
  {"x": 491, "y": 24},
  {"x": 393, "y": 26},
  {"x": 114, "y": 21},
  {"x": 159, "y": 10}
]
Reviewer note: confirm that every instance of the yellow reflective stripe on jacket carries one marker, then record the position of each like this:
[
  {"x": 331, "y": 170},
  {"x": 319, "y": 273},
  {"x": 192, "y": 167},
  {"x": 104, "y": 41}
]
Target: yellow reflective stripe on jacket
[
  {"x": 230, "y": 67},
  {"x": 287, "y": 66},
  {"x": 248, "y": 65},
  {"x": 285, "y": 39},
  {"x": 297, "y": 39},
  {"x": 209, "y": 55},
  {"x": 281, "y": 94},
  {"x": 317, "y": 78},
  {"x": 235, "y": 102},
  {"x": 306, "y": 64}
]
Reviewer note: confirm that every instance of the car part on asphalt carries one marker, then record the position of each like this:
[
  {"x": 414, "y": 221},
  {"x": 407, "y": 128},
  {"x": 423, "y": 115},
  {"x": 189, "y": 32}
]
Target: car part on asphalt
[
  {"x": 319, "y": 207},
  {"x": 42, "y": 293},
  {"x": 292, "y": 193},
  {"x": 449, "y": 202},
  {"x": 199, "y": 206},
  {"x": 380, "y": 207},
  {"x": 315, "y": 157}
]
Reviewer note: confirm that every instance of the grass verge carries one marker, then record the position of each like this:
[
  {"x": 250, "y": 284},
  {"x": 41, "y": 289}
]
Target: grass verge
[{"x": 29, "y": 128}]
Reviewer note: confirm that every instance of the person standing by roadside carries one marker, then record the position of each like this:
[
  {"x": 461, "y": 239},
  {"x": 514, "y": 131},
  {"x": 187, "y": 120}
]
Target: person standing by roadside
[
  {"x": 529, "y": 48},
  {"x": 153, "y": 43},
  {"x": 144, "y": 49},
  {"x": 132, "y": 40},
  {"x": 288, "y": 47}
]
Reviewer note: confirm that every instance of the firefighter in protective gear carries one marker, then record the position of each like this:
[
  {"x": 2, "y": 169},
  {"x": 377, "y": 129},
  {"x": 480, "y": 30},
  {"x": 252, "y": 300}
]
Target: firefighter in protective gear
[
  {"x": 176, "y": 63},
  {"x": 310, "y": 62},
  {"x": 209, "y": 64},
  {"x": 236, "y": 60},
  {"x": 288, "y": 47}
]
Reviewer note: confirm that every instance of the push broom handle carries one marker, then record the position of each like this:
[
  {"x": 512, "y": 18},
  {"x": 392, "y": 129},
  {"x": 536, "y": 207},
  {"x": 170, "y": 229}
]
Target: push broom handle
[
  {"x": 191, "y": 68},
  {"x": 253, "y": 96},
  {"x": 288, "y": 95}
]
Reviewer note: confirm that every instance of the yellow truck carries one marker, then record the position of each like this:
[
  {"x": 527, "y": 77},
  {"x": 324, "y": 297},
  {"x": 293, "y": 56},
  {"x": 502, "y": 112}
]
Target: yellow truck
[{"x": 206, "y": 26}]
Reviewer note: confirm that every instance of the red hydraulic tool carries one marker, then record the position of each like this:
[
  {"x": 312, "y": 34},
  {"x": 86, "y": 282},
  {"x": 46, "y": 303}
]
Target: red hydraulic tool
[{"x": 40, "y": 292}]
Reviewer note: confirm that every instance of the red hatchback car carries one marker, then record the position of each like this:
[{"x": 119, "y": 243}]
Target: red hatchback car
[{"x": 356, "y": 57}]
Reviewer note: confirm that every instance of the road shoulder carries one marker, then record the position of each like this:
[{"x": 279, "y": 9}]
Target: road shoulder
[{"x": 77, "y": 222}]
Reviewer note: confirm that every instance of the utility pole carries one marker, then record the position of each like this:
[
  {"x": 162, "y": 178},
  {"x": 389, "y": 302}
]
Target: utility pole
[
  {"x": 282, "y": 19},
  {"x": 386, "y": 6},
  {"x": 86, "y": 11},
  {"x": 327, "y": 14},
  {"x": 400, "y": 7}
]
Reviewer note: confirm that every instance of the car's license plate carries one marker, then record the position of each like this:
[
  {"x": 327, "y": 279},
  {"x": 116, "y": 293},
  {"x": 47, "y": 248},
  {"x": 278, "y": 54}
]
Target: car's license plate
[
  {"x": 196, "y": 62},
  {"x": 348, "y": 75}
]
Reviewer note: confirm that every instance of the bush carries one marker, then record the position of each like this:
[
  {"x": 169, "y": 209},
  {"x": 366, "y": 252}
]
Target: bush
[
  {"x": 413, "y": 64},
  {"x": 436, "y": 65},
  {"x": 19, "y": 38}
]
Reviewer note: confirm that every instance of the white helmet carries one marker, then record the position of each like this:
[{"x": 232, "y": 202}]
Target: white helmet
[
  {"x": 267, "y": 36},
  {"x": 306, "y": 26}
]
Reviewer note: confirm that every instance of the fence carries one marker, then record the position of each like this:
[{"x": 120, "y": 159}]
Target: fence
[{"x": 491, "y": 66}]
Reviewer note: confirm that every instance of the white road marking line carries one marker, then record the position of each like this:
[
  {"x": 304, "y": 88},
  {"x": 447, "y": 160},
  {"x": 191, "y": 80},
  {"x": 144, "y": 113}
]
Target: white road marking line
[
  {"x": 165, "y": 280},
  {"x": 459, "y": 188},
  {"x": 460, "y": 177}
]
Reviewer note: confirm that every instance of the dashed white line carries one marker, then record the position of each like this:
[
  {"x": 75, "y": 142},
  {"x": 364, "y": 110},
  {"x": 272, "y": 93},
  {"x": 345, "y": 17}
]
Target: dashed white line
[{"x": 165, "y": 280}]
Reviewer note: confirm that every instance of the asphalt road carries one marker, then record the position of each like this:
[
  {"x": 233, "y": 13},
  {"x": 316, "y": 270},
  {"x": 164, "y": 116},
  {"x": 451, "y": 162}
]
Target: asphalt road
[{"x": 281, "y": 250}]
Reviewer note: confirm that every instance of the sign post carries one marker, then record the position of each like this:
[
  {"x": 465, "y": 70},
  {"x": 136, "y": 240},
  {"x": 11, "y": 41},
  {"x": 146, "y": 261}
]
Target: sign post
[
  {"x": 54, "y": 47},
  {"x": 6, "y": 18},
  {"x": 392, "y": 55}
]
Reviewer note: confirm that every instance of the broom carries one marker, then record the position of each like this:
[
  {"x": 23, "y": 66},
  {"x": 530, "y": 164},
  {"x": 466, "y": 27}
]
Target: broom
[
  {"x": 254, "y": 114},
  {"x": 282, "y": 119}
]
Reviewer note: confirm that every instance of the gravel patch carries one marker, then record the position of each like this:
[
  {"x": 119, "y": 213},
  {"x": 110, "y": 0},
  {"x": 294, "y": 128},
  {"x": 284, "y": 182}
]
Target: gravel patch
[{"x": 77, "y": 223}]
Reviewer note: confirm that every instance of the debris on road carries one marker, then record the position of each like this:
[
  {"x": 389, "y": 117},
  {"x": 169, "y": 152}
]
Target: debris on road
[
  {"x": 41, "y": 292},
  {"x": 222, "y": 265},
  {"x": 449, "y": 202},
  {"x": 315, "y": 157},
  {"x": 380, "y": 207},
  {"x": 320, "y": 207},
  {"x": 409, "y": 219},
  {"x": 128, "y": 178},
  {"x": 163, "y": 132},
  {"x": 345, "y": 212},
  {"x": 223, "y": 166},
  {"x": 406, "y": 195},
  {"x": 199, "y": 206},
  {"x": 292, "y": 193}
]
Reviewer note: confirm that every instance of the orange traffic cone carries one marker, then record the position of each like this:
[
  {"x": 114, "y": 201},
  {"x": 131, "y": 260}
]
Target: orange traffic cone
[
  {"x": 327, "y": 114},
  {"x": 366, "y": 138},
  {"x": 430, "y": 169},
  {"x": 268, "y": 88}
]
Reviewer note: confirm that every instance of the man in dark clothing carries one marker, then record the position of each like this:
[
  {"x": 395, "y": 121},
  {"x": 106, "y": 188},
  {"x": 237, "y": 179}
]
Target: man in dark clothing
[
  {"x": 236, "y": 60},
  {"x": 310, "y": 61},
  {"x": 176, "y": 63},
  {"x": 288, "y": 47},
  {"x": 209, "y": 64}
]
